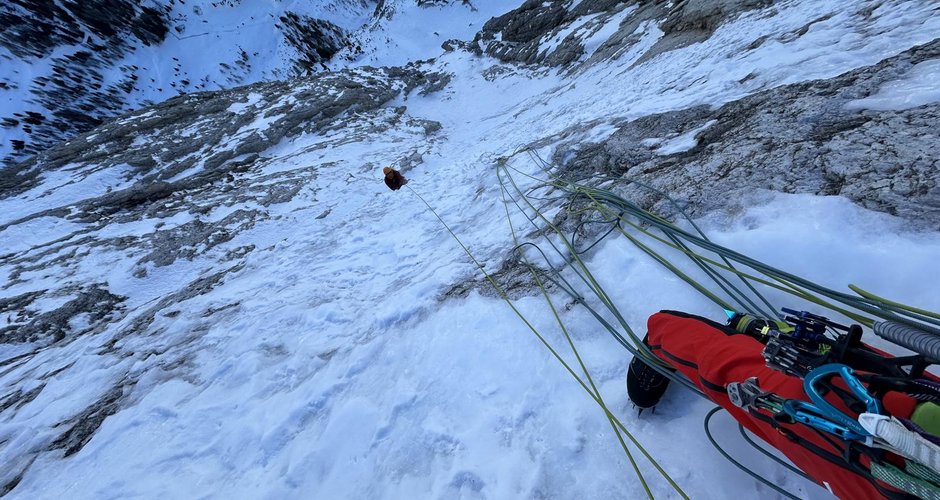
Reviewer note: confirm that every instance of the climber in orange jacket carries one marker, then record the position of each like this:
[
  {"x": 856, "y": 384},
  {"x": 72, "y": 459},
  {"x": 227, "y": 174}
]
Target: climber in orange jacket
[{"x": 393, "y": 178}]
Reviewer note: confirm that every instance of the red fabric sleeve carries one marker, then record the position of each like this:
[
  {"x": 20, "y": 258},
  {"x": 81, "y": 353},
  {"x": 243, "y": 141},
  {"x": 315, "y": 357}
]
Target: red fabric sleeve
[{"x": 712, "y": 355}]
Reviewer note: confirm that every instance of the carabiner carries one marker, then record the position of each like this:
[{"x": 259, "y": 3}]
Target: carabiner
[
  {"x": 848, "y": 375},
  {"x": 813, "y": 416}
]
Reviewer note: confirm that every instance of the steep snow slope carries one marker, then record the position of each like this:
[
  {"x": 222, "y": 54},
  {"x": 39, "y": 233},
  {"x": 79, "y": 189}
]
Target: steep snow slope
[{"x": 219, "y": 297}]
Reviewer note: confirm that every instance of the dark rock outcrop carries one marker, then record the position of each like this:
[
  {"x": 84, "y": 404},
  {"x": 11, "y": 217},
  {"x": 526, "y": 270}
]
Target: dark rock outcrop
[
  {"x": 316, "y": 40},
  {"x": 94, "y": 304}
]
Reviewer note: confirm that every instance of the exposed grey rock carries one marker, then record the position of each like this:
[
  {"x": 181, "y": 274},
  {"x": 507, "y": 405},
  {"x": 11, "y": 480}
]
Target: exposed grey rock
[
  {"x": 514, "y": 36},
  {"x": 704, "y": 16},
  {"x": 19, "y": 302},
  {"x": 514, "y": 278},
  {"x": 83, "y": 426},
  {"x": 454, "y": 44},
  {"x": 18, "y": 178},
  {"x": 19, "y": 398},
  {"x": 133, "y": 197},
  {"x": 192, "y": 238},
  {"x": 94, "y": 303},
  {"x": 693, "y": 21},
  {"x": 430, "y": 126},
  {"x": 435, "y": 82},
  {"x": 797, "y": 138}
]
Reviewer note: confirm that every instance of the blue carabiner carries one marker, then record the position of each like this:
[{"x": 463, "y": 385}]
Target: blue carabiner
[
  {"x": 826, "y": 408},
  {"x": 812, "y": 416}
]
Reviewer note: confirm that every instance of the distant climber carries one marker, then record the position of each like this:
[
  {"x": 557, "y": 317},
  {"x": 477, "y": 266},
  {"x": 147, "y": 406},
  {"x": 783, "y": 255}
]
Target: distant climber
[{"x": 393, "y": 178}]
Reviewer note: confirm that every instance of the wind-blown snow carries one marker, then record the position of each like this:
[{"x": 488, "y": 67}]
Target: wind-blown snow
[{"x": 327, "y": 365}]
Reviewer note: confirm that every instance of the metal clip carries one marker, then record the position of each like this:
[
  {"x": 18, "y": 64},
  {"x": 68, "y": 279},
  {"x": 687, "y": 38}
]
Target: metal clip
[{"x": 745, "y": 394}]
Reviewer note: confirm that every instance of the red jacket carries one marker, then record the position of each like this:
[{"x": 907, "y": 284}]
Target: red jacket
[{"x": 712, "y": 355}]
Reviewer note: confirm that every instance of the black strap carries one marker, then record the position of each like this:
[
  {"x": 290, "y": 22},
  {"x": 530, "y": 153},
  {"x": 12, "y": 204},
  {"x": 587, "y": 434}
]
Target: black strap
[
  {"x": 727, "y": 330},
  {"x": 684, "y": 362},
  {"x": 847, "y": 460}
]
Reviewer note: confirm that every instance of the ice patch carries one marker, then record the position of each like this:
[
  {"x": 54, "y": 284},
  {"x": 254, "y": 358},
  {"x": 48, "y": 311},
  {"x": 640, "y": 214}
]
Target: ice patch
[
  {"x": 920, "y": 86},
  {"x": 678, "y": 144},
  {"x": 610, "y": 27},
  {"x": 552, "y": 43}
]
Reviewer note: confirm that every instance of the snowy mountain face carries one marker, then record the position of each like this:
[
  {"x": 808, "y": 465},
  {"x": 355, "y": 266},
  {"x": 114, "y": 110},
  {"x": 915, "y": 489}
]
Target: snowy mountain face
[
  {"x": 216, "y": 295},
  {"x": 70, "y": 66}
]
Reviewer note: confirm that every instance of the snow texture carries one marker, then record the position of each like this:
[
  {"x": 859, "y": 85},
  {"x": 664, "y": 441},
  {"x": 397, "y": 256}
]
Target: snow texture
[{"x": 217, "y": 296}]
